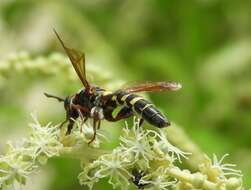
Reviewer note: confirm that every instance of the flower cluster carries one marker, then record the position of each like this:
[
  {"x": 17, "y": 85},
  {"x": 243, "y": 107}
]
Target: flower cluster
[
  {"x": 33, "y": 151},
  {"x": 136, "y": 152},
  {"x": 144, "y": 158},
  {"x": 44, "y": 142},
  {"x": 147, "y": 159}
]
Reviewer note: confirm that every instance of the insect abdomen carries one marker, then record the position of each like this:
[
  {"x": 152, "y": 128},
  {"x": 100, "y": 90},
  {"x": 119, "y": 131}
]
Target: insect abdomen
[{"x": 143, "y": 107}]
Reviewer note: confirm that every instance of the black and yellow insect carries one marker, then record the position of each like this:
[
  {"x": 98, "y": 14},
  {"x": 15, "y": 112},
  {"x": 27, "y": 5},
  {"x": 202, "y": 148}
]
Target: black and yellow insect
[{"x": 98, "y": 104}]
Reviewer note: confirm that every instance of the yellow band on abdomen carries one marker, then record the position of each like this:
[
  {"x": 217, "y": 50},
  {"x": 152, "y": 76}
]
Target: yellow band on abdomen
[{"x": 125, "y": 96}]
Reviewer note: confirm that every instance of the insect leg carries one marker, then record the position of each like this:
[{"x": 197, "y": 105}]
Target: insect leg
[
  {"x": 62, "y": 124},
  {"x": 124, "y": 113},
  {"x": 141, "y": 121},
  {"x": 95, "y": 122},
  {"x": 81, "y": 108},
  {"x": 99, "y": 123},
  {"x": 83, "y": 122},
  {"x": 70, "y": 126},
  {"x": 83, "y": 119}
]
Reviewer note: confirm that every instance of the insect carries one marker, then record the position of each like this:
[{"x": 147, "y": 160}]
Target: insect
[
  {"x": 99, "y": 104},
  {"x": 137, "y": 176}
]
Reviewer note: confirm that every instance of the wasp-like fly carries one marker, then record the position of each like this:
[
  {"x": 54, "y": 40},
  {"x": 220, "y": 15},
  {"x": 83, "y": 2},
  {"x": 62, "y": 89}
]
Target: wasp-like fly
[{"x": 99, "y": 104}]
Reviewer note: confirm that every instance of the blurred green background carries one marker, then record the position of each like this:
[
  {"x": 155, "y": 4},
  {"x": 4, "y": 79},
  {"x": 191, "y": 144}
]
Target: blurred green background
[{"x": 204, "y": 44}]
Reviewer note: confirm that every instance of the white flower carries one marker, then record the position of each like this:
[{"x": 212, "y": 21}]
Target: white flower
[
  {"x": 226, "y": 169},
  {"x": 158, "y": 180},
  {"x": 14, "y": 168},
  {"x": 170, "y": 150},
  {"x": 135, "y": 144},
  {"x": 43, "y": 142},
  {"x": 112, "y": 165},
  {"x": 83, "y": 132}
]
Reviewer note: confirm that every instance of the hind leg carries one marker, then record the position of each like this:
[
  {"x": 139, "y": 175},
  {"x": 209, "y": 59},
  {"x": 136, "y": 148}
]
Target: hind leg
[
  {"x": 141, "y": 121},
  {"x": 124, "y": 113}
]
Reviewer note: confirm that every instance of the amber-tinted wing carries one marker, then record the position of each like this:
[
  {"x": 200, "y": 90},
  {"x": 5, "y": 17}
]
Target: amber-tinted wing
[
  {"x": 78, "y": 61},
  {"x": 154, "y": 87}
]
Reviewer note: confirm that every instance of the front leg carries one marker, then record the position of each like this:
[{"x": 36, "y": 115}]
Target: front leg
[
  {"x": 70, "y": 126},
  {"x": 72, "y": 113}
]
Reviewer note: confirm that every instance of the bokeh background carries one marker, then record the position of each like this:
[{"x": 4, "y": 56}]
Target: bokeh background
[{"x": 204, "y": 44}]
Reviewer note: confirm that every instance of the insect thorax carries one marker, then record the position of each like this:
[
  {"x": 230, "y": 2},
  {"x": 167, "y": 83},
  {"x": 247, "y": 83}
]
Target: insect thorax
[{"x": 88, "y": 99}]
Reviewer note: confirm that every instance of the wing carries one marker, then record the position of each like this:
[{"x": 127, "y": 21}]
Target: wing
[
  {"x": 78, "y": 61},
  {"x": 154, "y": 87}
]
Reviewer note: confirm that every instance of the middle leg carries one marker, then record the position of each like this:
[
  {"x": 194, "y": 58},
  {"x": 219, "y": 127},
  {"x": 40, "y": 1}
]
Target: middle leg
[{"x": 96, "y": 124}]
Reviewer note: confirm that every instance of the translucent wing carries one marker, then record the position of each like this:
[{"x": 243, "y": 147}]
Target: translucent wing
[
  {"x": 78, "y": 61},
  {"x": 154, "y": 87}
]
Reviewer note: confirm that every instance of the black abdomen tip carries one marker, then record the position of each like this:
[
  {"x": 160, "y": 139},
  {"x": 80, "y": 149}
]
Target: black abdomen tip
[
  {"x": 167, "y": 124},
  {"x": 154, "y": 117},
  {"x": 160, "y": 121}
]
